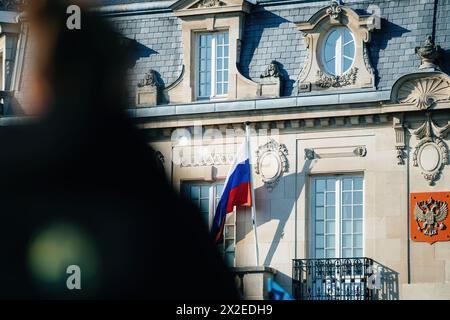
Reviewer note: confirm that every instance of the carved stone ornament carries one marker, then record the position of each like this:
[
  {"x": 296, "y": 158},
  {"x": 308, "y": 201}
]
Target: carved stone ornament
[
  {"x": 208, "y": 4},
  {"x": 428, "y": 54},
  {"x": 431, "y": 153},
  {"x": 335, "y": 152},
  {"x": 271, "y": 71},
  {"x": 334, "y": 10},
  {"x": 429, "y": 220},
  {"x": 400, "y": 144},
  {"x": 271, "y": 163},
  {"x": 424, "y": 92},
  {"x": 422, "y": 89},
  {"x": 147, "y": 94},
  {"x": 313, "y": 75},
  {"x": 328, "y": 81},
  {"x": 150, "y": 79}
]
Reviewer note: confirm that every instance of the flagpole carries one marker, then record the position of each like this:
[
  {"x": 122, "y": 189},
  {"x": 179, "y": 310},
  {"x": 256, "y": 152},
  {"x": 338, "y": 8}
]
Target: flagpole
[{"x": 252, "y": 191}]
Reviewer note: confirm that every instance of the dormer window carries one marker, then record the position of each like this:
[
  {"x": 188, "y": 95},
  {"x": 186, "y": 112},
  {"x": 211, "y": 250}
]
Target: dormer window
[
  {"x": 212, "y": 65},
  {"x": 339, "y": 51}
]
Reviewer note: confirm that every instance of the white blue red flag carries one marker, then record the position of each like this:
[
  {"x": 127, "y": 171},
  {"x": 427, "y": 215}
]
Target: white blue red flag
[{"x": 236, "y": 191}]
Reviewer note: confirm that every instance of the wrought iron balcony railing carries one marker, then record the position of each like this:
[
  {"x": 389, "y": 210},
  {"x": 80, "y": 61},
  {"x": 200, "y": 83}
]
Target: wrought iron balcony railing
[{"x": 343, "y": 279}]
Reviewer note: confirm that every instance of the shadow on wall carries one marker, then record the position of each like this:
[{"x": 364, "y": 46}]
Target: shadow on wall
[
  {"x": 380, "y": 39},
  {"x": 282, "y": 215},
  {"x": 444, "y": 61},
  {"x": 253, "y": 32}
]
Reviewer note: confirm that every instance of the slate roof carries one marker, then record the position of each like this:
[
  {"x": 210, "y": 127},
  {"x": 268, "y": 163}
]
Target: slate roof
[{"x": 270, "y": 34}]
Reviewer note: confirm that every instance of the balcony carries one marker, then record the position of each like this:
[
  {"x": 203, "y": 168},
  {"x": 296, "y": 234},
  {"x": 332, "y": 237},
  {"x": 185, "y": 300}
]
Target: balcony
[{"x": 343, "y": 279}]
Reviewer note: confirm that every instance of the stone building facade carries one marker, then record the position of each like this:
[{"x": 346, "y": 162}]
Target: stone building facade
[{"x": 348, "y": 105}]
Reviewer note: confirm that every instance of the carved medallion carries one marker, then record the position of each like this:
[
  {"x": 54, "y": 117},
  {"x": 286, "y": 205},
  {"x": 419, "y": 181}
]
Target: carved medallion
[
  {"x": 424, "y": 92},
  {"x": 429, "y": 217},
  {"x": 431, "y": 153},
  {"x": 271, "y": 163}
]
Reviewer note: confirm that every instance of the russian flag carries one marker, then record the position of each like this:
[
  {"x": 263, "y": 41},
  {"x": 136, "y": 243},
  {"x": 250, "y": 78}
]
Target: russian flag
[{"x": 236, "y": 191}]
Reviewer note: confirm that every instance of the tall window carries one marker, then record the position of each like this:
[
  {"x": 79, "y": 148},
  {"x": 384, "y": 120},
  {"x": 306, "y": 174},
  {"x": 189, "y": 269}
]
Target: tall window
[
  {"x": 337, "y": 217},
  {"x": 339, "y": 51},
  {"x": 206, "y": 196},
  {"x": 212, "y": 65}
]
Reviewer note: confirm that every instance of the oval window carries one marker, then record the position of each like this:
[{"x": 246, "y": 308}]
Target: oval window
[{"x": 338, "y": 51}]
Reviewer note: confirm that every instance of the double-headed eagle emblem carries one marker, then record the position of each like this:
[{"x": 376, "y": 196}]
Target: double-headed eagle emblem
[{"x": 429, "y": 215}]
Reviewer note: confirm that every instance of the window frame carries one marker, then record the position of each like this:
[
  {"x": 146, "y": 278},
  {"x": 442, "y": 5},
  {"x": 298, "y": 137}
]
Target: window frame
[
  {"x": 213, "y": 85},
  {"x": 339, "y": 51},
  {"x": 338, "y": 214}
]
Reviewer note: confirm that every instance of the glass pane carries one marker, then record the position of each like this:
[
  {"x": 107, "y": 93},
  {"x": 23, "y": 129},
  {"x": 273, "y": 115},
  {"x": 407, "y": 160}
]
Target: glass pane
[
  {"x": 331, "y": 184},
  {"x": 195, "y": 193},
  {"x": 330, "y": 227},
  {"x": 319, "y": 227},
  {"x": 357, "y": 241},
  {"x": 347, "y": 253},
  {"x": 357, "y": 253},
  {"x": 358, "y": 183},
  {"x": 229, "y": 232},
  {"x": 320, "y": 254},
  {"x": 357, "y": 197},
  {"x": 349, "y": 50},
  {"x": 319, "y": 199},
  {"x": 204, "y": 192},
  {"x": 219, "y": 189},
  {"x": 347, "y": 36},
  {"x": 330, "y": 212},
  {"x": 219, "y": 88},
  {"x": 358, "y": 226},
  {"x": 347, "y": 198},
  {"x": 358, "y": 212},
  {"x": 320, "y": 185},
  {"x": 204, "y": 205},
  {"x": 319, "y": 213},
  {"x": 331, "y": 198},
  {"x": 330, "y": 253},
  {"x": 346, "y": 226},
  {"x": 229, "y": 245},
  {"x": 347, "y": 184},
  {"x": 347, "y": 64},
  {"x": 347, "y": 241},
  {"x": 330, "y": 241},
  {"x": 331, "y": 66},
  {"x": 319, "y": 241},
  {"x": 347, "y": 212},
  {"x": 205, "y": 218}
]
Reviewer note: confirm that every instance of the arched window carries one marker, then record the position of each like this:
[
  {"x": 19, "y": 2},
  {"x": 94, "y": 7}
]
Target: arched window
[{"x": 338, "y": 51}]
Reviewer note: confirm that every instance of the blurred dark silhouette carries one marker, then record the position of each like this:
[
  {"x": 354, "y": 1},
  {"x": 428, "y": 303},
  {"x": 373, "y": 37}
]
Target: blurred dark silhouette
[{"x": 84, "y": 166}]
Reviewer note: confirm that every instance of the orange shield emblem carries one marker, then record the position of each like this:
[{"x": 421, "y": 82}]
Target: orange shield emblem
[{"x": 428, "y": 217}]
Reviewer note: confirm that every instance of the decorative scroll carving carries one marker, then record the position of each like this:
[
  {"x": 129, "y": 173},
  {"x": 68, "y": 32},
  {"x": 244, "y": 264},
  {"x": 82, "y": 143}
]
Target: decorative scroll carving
[
  {"x": 334, "y": 10},
  {"x": 431, "y": 153},
  {"x": 428, "y": 54},
  {"x": 328, "y": 81},
  {"x": 424, "y": 92},
  {"x": 272, "y": 163},
  {"x": 210, "y": 159}
]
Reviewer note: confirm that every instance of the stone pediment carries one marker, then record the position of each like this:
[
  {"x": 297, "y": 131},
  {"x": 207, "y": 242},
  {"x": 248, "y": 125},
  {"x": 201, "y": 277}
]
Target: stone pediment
[{"x": 203, "y": 7}]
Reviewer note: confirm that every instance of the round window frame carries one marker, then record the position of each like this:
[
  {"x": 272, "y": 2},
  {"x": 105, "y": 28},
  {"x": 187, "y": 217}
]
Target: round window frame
[{"x": 323, "y": 46}]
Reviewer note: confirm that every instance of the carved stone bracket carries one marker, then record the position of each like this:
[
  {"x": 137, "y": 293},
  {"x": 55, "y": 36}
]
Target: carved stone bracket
[
  {"x": 400, "y": 144},
  {"x": 431, "y": 153},
  {"x": 271, "y": 163}
]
